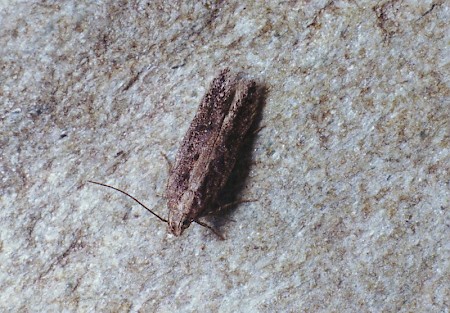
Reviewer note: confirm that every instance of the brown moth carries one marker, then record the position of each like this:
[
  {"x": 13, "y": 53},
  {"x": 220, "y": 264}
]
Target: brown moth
[{"x": 208, "y": 151}]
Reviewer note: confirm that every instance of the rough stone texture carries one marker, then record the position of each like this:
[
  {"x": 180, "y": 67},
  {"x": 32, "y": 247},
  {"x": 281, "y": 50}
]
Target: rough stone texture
[{"x": 351, "y": 170}]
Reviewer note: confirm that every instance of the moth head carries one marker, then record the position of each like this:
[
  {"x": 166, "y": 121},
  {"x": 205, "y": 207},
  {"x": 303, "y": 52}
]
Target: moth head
[
  {"x": 178, "y": 223},
  {"x": 181, "y": 217}
]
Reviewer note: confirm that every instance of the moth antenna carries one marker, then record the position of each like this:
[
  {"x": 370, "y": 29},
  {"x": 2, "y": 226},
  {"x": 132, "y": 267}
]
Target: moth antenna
[{"x": 127, "y": 194}]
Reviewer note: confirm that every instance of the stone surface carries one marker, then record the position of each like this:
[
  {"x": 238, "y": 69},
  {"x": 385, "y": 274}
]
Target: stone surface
[{"x": 351, "y": 170}]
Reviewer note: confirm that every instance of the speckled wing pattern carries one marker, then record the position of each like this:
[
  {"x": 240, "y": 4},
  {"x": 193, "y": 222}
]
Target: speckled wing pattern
[{"x": 209, "y": 149}]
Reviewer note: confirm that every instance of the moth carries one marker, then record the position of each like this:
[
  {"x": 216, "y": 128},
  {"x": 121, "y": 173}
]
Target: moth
[{"x": 208, "y": 151}]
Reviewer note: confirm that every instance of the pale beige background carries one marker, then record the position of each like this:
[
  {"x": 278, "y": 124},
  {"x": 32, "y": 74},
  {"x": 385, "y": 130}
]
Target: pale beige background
[{"x": 351, "y": 170}]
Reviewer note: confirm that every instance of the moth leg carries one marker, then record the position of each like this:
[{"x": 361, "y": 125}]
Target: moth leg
[
  {"x": 217, "y": 211},
  {"x": 225, "y": 206},
  {"x": 210, "y": 228},
  {"x": 169, "y": 164},
  {"x": 218, "y": 216},
  {"x": 258, "y": 130}
]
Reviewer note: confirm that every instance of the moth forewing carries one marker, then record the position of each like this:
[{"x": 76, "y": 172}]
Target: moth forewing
[
  {"x": 201, "y": 133},
  {"x": 210, "y": 162}
]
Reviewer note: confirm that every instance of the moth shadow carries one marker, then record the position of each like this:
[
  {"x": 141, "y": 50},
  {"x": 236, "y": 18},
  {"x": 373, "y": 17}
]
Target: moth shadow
[{"x": 229, "y": 198}]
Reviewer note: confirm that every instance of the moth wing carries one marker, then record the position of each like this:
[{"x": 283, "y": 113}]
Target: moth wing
[
  {"x": 213, "y": 169},
  {"x": 204, "y": 128}
]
